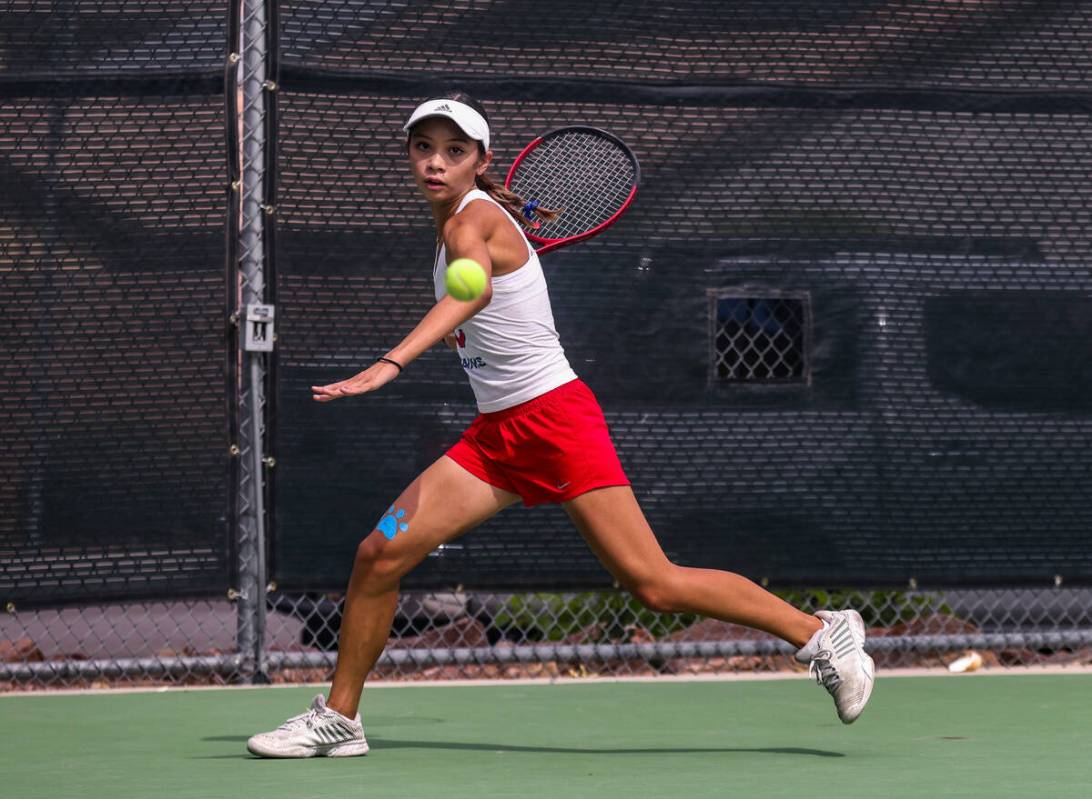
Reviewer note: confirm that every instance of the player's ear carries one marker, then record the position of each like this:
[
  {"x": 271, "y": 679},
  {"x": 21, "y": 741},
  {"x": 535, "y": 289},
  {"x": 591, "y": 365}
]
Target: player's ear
[{"x": 484, "y": 163}]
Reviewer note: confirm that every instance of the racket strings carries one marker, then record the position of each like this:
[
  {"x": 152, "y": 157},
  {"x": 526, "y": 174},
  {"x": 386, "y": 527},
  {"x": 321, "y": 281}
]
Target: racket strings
[
  {"x": 598, "y": 177},
  {"x": 586, "y": 175}
]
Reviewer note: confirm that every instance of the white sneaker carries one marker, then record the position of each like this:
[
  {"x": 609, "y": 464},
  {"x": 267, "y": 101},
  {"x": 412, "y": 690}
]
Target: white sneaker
[
  {"x": 837, "y": 659},
  {"x": 320, "y": 732}
]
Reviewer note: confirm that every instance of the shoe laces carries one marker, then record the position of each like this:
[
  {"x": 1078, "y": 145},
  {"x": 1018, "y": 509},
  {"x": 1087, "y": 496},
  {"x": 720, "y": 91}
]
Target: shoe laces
[
  {"x": 824, "y": 671},
  {"x": 305, "y": 719}
]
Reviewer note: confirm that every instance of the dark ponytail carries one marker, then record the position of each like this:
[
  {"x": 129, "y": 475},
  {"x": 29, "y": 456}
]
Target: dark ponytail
[
  {"x": 509, "y": 200},
  {"x": 513, "y": 203}
]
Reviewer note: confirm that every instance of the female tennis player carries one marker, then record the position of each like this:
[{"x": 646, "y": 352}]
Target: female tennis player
[{"x": 540, "y": 437}]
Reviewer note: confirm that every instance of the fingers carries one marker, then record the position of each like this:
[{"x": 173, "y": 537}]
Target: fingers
[
  {"x": 368, "y": 380},
  {"x": 345, "y": 388},
  {"x": 326, "y": 393}
]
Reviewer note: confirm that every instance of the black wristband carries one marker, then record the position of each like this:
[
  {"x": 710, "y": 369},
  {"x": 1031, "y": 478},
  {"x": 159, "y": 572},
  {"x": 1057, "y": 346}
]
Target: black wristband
[{"x": 384, "y": 359}]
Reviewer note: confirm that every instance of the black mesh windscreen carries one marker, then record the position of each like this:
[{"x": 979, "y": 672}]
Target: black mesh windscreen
[
  {"x": 114, "y": 460},
  {"x": 49, "y": 39},
  {"x": 914, "y": 176}
]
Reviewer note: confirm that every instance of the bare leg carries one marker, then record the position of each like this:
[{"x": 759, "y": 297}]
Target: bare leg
[
  {"x": 615, "y": 528},
  {"x": 365, "y": 627},
  {"x": 444, "y": 502}
]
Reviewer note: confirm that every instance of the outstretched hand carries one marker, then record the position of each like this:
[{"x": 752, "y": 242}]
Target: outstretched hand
[{"x": 369, "y": 380}]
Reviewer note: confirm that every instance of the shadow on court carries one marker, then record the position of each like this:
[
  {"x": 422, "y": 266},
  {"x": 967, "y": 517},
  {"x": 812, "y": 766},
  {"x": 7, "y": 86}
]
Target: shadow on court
[{"x": 390, "y": 743}]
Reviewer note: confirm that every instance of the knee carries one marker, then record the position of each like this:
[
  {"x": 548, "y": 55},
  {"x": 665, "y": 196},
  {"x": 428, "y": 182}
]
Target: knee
[
  {"x": 658, "y": 593},
  {"x": 375, "y": 564}
]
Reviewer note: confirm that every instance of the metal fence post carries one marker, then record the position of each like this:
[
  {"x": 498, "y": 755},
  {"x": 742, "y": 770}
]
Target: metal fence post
[{"x": 252, "y": 401}]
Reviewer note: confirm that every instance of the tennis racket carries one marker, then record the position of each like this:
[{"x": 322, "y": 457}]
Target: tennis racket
[{"x": 589, "y": 173}]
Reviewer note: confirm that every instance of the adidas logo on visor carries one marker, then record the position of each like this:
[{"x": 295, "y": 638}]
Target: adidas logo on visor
[{"x": 444, "y": 107}]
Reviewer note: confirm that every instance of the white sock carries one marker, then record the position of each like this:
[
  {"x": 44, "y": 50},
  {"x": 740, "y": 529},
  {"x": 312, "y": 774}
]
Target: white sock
[{"x": 813, "y": 642}]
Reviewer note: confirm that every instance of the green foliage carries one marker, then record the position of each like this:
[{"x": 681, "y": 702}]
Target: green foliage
[
  {"x": 615, "y": 616},
  {"x": 606, "y": 616},
  {"x": 881, "y": 608}
]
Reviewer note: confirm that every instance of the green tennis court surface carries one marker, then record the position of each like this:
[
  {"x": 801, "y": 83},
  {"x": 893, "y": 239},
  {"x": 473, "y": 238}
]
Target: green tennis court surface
[{"x": 971, "y": 736}]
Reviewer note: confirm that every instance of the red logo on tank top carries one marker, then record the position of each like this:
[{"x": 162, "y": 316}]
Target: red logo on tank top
[{"x": 460, "y": 337}]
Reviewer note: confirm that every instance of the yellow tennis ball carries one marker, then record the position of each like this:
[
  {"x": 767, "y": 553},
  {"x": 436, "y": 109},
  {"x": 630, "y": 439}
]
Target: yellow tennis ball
[{"x": 465, "y": 279}]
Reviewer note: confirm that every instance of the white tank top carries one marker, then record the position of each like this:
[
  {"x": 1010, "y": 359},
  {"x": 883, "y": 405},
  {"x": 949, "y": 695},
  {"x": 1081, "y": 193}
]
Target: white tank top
[{"x": 510, "y": 349}]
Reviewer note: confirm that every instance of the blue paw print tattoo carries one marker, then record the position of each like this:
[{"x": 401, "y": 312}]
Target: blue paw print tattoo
[{"x": 391, "y": 524}]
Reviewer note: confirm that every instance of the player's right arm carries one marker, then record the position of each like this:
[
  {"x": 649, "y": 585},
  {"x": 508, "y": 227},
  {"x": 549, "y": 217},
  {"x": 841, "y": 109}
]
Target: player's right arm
[{"x": 464, "y": 237}]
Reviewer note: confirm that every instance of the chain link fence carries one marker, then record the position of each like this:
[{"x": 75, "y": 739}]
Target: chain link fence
[
  {"x": 116, "y": 486},
  {"x": 439, "y": 636},
  {"x": 137, "y": 476},
  {"x": 490, "y": 635}
]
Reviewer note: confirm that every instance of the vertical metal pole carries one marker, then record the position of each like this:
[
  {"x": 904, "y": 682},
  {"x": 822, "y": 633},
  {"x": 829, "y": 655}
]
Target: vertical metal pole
[{"x": 250, "y": 631}]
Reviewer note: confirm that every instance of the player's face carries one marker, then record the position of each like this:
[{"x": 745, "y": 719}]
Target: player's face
[{"x": 444, "y": 160}]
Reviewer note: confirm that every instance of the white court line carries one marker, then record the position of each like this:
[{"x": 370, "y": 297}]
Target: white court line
[{"x": 938, "y": 671}]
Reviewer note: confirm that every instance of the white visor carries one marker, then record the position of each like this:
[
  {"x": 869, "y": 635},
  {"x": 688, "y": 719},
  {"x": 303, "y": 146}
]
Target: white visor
[{"x": 469, "y": 121}]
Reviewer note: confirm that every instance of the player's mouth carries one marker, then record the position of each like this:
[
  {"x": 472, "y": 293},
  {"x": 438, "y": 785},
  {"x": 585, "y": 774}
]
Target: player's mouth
[{"x": 434, "y": 184}]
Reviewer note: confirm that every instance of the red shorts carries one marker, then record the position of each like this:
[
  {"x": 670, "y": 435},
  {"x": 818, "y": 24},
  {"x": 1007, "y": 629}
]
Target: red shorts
[{"x": 549, "y": 449}]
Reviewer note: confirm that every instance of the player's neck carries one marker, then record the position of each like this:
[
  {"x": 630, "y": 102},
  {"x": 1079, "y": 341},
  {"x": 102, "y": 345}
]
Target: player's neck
[{"x": 443, "y": 211}]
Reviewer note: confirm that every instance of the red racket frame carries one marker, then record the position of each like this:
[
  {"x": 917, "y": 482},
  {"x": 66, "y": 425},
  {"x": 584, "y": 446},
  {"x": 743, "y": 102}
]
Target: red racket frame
[{"x": 553, "y": 244}]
